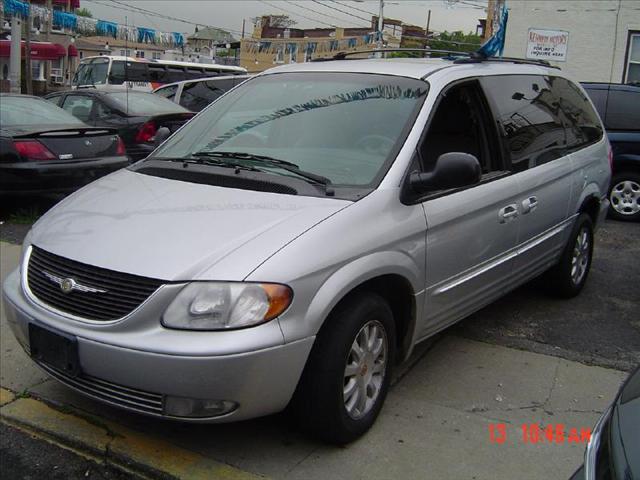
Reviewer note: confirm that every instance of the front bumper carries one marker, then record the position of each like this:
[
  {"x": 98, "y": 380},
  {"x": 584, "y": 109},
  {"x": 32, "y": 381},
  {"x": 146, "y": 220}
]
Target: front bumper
[
  {"x": 55, "y": 177},
  {"x": 138, "y": 377}
]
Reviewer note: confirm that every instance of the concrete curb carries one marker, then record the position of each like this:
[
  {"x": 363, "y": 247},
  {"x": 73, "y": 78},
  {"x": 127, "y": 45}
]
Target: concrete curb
[{"x": 112, "y": 443}]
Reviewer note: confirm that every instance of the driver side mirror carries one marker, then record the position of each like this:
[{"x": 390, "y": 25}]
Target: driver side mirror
[
  {"x": 452, "y": 170},
  {"x": 161, "y": 135}
]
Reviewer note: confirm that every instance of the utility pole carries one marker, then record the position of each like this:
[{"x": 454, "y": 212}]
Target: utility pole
[
  {"x": 28, "y": 73},
  {"x": 380, "y": 43},
  {"x": 488, "y": 26},
  {"x": 48, "y": 28},
  {"x": 243, "y": 21},
  {"x": 426, "y": 42},
  {"x": 15, "y": 55}
]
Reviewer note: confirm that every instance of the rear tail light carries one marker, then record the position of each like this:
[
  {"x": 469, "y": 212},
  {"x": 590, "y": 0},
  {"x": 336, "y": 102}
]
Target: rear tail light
[
  {"x": 147, "y": 133},
  {"x": 34, "y": 150},
  {"x": 121, "y": 150}
]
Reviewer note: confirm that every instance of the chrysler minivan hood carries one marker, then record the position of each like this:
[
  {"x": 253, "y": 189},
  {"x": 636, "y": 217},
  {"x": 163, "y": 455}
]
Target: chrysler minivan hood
[{"x": 174, "y": 230}]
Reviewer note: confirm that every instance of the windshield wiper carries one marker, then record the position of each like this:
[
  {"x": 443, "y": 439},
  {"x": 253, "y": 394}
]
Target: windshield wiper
[
  {"x": 206, "y": 161},
  {"x": 283, "y": 164}
]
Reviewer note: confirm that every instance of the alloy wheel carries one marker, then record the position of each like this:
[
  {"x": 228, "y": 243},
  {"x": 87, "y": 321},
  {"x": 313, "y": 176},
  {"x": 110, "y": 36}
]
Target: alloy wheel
[
  {"x": 580, "y": 257},
  {"x": 365, "y": 369}
]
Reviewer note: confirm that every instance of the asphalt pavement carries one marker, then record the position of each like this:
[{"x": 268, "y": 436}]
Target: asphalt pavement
[{"x": 27, "y": 457}]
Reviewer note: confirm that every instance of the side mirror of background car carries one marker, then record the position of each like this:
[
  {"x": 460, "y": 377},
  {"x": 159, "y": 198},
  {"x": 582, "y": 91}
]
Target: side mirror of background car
[
  {"x": 452, "y": 170},
  {"x": 161, "y": 135}
]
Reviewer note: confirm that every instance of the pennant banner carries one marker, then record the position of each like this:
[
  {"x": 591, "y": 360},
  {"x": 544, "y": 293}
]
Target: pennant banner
[
  {"x": 16, "y": 7},
  {"x": 65, "y": 20},
  {"x": 90, "y": 26}
]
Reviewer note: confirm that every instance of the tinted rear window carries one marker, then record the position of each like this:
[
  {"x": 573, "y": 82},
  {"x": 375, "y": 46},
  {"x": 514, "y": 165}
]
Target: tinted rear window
[
  {"x": 532, "y": 125},
  {"x": 542, "y": 118},
  {"x": 138, "y": 103},
  {"x": 33, "y": 111},
  {"x": 623, "y": 109},
  {"x": 581, "y": 120}
]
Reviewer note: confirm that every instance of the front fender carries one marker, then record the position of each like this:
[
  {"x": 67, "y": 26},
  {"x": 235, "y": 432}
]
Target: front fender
[{"x": 305, "y": 321}]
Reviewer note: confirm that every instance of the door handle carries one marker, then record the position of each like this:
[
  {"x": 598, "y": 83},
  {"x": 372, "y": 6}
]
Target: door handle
[
  {"x": 530, "y": 204},
  {"x": 507, "y": 213}
]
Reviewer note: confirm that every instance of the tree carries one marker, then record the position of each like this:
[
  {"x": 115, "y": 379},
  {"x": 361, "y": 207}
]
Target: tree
[
  {"x": 452, "y": 41},
  {"x": 277, "y": 21},
  {"x": 456, "y": 41},
  {"x": 83, "y": 12}
]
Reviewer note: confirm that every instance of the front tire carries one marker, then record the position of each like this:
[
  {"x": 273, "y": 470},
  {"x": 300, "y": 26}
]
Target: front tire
[
  {"x": 568, "y": 277},
  {"x": 624, "y": 197},
  {"x": 346, "y": 379}
]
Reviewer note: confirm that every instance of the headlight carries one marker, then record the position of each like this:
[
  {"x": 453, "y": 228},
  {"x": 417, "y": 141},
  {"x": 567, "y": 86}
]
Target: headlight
[{"x": 225, "y": 306}]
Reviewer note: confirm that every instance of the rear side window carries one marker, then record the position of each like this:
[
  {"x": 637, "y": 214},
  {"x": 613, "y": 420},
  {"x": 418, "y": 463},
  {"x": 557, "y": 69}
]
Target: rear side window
[
  {"x": 530, "y": 119},
  {"x": 582, "y": 122},
  {"x": 79, "y": 106},
  {"x": 197, "y": 95},
  {"x": 167, "y": 92},
  {"x": 623, "y": 109},
  {"x": 56, "y": 100}
]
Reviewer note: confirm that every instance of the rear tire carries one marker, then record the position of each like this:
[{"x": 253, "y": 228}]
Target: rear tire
[
  {"x": 567, "y": 278},
  {"x": 624, "y": 197},
  {"x": 346, "y": 379}
]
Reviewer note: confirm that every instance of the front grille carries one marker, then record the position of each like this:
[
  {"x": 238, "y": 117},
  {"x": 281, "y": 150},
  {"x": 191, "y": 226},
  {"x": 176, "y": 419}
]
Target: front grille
[
  {"x": 112, "y": 393},
  {"x": 107, "y": 295}
]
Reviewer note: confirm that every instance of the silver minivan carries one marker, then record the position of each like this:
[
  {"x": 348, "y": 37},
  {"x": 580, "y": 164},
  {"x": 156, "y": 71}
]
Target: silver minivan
[{"x": 294, "y": 241}]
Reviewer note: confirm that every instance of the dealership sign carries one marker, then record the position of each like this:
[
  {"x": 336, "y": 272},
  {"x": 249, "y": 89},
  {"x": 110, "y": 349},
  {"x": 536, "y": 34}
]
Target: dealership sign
[{"x": 547, "y": 44}]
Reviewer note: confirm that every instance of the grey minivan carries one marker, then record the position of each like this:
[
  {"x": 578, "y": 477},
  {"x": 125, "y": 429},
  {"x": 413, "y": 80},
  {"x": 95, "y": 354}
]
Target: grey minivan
[{"x": 297, "y": 238}]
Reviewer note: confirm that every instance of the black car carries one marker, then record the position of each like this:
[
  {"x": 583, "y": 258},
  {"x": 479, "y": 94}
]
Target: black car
[
  {"x": 43, "y": 149},
  {"x": 613, "y": 453},
  {"x": 619, "y": 108},
  {"x": 136, "y": 115}
]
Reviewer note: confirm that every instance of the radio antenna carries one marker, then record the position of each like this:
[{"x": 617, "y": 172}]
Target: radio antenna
[{"x": 127, "y": 84}]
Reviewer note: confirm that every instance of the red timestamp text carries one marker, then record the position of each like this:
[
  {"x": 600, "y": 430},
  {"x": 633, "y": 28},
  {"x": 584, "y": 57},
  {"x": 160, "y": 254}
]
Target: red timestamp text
[{"x": 534, "y": 433}]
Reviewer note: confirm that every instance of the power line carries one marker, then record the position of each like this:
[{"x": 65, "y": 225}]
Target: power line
[
  {"x": 368, "y": 20},
  {"x": 353, "y": 8},
  {"x": 297, "y": 14},
  {"x": 315, "y": 11},
  {"x": 131, "y": 8}
]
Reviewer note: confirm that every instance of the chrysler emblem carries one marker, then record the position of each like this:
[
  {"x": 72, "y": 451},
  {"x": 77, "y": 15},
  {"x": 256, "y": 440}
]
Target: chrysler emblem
[
  {"x": 68, "y": 285},
  {"x": 87, "y": 143}
]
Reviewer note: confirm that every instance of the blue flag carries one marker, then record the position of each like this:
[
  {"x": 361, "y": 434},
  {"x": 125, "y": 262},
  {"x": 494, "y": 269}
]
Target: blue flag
[{"x": 495, "y": 45}]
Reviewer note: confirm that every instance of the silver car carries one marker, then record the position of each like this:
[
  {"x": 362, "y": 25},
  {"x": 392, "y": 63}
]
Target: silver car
[{"x": 297, "y": 238}]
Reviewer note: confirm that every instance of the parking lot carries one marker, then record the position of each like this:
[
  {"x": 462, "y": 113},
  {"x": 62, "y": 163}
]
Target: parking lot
[{"x": 526, "y": 359}]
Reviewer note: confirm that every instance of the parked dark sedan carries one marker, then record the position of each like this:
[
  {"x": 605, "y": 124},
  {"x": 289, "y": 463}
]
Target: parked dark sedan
[
  {"x": 43, "y": 149},
  {"x": 619, "y": 108},
  {"x": 136, "y": 115},
  {"x": 613, "y": 453}
]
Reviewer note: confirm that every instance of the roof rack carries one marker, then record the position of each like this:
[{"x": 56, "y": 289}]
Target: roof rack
[
  {"x": 456, "y": 57},
  {"x": 344, "y": 55}
]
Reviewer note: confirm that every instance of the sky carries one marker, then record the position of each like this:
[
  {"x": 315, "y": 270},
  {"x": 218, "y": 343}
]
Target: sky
[{"x": 445, "y": 14}]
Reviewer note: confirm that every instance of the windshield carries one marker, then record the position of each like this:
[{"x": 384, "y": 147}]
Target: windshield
[
  {"x": 143, "y": 104},
  {"x": 341, "y": 126},
  {"x": 92, "y": 73},
  {"x": 33, "y": 111}
]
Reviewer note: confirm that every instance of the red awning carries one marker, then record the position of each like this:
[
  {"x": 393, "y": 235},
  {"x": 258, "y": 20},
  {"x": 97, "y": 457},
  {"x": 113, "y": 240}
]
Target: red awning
[
  {"x": 73, "y": 51},
  {"x": 39, "y": 50}
]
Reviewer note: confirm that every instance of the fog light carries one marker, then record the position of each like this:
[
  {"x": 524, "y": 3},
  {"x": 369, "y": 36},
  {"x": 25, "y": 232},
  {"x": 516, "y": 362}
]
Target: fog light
[{"x": 196, "y": 408}]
